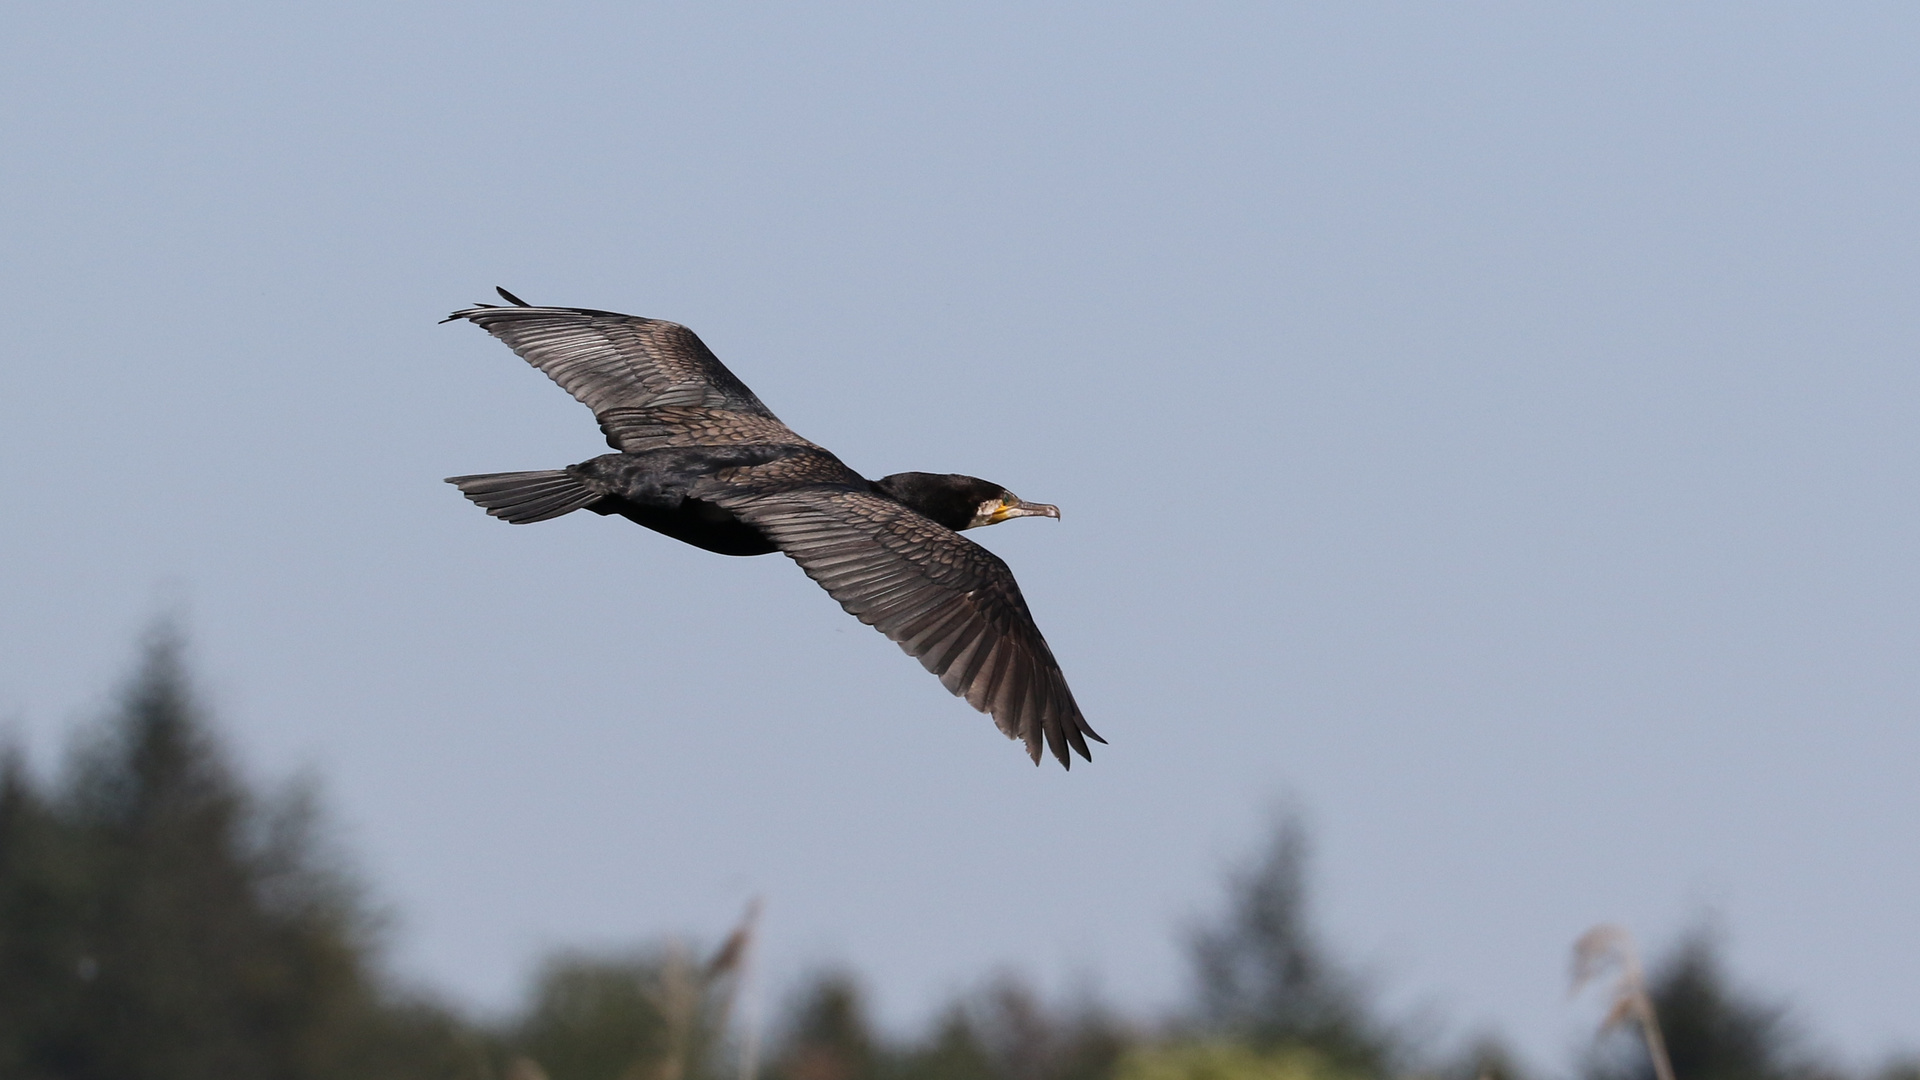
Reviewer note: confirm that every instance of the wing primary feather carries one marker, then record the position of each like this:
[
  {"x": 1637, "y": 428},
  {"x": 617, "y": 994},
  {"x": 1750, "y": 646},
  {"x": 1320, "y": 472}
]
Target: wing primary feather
[
  {"x": 931, "y": 627},
  {"x": 1010, "y": 691},
  {"x": 956, "y": 654},
  {"x": 967, "y": 664},
  {"x": 509, "y": 298},
  {"x": 939, "y": 656},
  {"x": 1032, "y": 715},
  {"x": 991, "y": 674},
  {"x": 1074, "y": 737},
  {"x": 1050, "y": 720}
]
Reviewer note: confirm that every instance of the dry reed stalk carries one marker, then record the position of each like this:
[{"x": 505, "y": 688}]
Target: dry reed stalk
[
  {"x": 685, "y": 990},
  {"x": 1608, "y": 945},
  {"x": 735, "y": 957},
  {"x": 748, "y": 987},
  {"x": 677, "y": 996}
]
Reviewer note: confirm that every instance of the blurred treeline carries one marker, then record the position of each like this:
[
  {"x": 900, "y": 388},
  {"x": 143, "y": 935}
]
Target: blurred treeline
[{"x": 161, "y": 919}]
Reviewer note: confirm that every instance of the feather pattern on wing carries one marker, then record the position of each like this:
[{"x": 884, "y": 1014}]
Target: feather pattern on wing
[
  {"x": 947, "y": 601},
  {"x": 650, "y": 383}
]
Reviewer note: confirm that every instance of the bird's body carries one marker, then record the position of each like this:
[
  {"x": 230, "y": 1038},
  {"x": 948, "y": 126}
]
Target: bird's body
[{"x": 700, "y": 459}]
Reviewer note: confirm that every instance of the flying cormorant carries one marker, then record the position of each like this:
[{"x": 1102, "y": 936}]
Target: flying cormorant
[{"x": 703, "y": 461}]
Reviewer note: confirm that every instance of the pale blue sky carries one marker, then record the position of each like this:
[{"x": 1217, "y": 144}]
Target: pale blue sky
[{"x": 1490, "y": 426}]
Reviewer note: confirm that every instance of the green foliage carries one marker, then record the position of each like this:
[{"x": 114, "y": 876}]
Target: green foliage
[
  {"x": 596, "y": 1019},
  {"x": 829, "y": 1037},
  {"x": 659, "y": 1016},
  {"x": 1485, "y": 1059},
  {"x": 1264, "y": 978},
  {"x": 1008, "y": 1029},
  {"x": 44, "y": 960},
  {"x": 1001, "y": 1032},
  {"x": 1227, "y": 1061},
  {"x": 157, "y": 920},
  {"x": 953, "y": 1051}
]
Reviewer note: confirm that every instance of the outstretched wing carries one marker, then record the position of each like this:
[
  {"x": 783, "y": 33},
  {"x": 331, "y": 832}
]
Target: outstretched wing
[
  {"x": 947, "y": 601},
  {"x": 649, "y": 382}
]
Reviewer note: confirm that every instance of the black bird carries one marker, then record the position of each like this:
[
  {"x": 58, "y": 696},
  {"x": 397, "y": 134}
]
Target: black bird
[{"x": 703, "y": 461}]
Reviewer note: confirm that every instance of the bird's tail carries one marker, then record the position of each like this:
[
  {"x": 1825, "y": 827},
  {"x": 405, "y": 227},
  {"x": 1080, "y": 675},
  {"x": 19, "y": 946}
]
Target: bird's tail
[{"x": 525, "y": 497}]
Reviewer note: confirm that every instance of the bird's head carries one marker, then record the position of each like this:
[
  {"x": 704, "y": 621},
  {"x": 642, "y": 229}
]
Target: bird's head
[{"x": 960, "y": 502}]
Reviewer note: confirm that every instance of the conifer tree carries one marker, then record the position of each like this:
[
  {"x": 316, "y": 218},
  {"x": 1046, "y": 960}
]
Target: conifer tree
[
  {"x": 159, "y": 921},
  {"x": 829, "y": 1036},
  {"x": 1263, "y": 976}
]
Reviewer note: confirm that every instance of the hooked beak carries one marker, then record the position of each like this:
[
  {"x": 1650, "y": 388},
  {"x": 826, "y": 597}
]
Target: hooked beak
[{"x": 1024, "y": 509}]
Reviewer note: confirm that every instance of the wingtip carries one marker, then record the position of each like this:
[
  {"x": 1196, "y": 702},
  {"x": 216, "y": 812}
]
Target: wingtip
[
  {"x": 1054, "y": 743},
  {"x": 479, "y": 306}
]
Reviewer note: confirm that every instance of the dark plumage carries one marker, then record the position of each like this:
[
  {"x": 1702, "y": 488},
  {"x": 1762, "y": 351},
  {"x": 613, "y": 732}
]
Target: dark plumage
[{"x": 703, "y": 461}]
